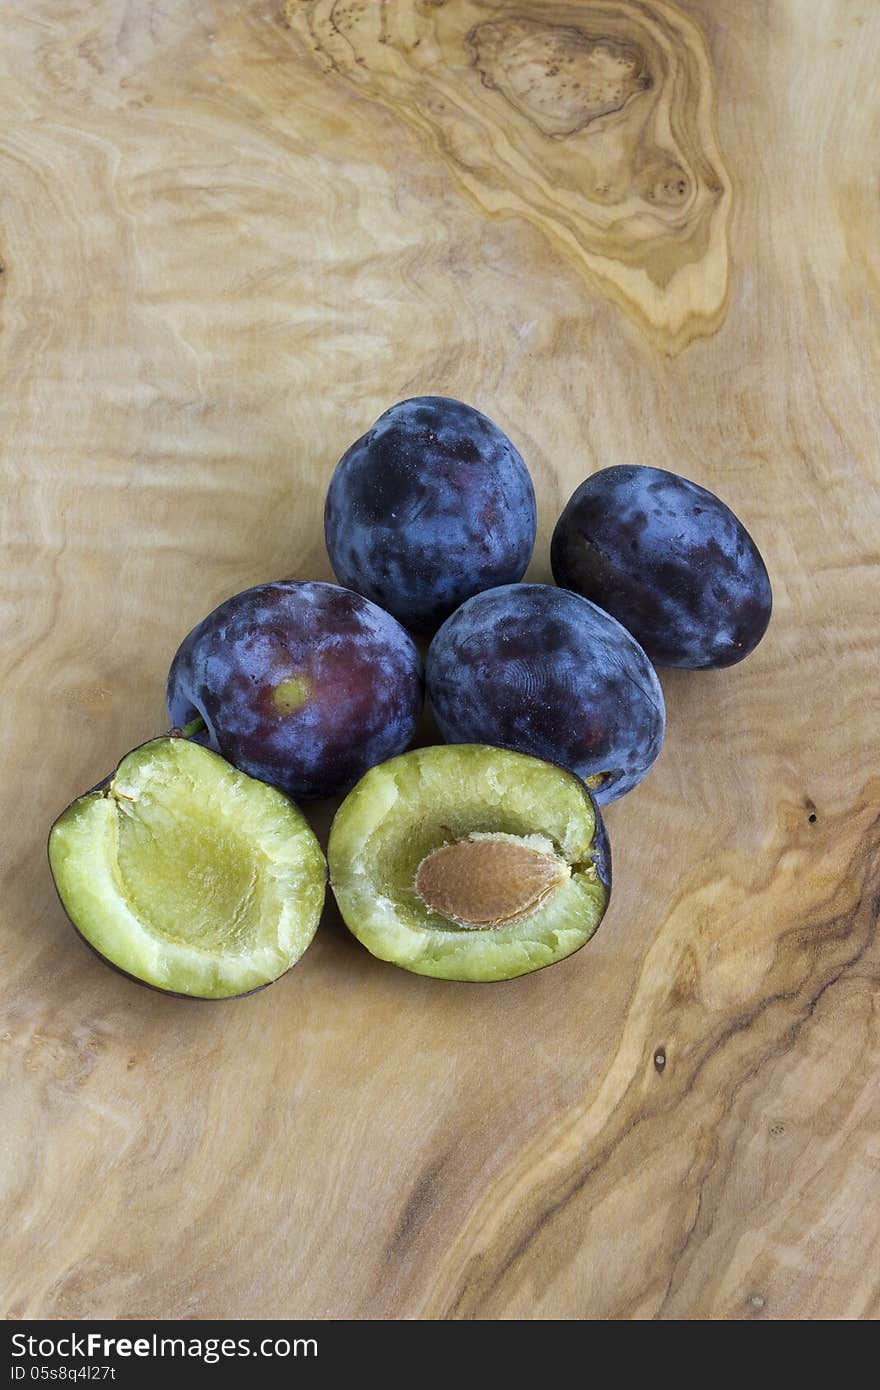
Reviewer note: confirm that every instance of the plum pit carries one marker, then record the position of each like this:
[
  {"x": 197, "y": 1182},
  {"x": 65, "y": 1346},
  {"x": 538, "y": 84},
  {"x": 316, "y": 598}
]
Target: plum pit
[{"x": 489, "y": 880}]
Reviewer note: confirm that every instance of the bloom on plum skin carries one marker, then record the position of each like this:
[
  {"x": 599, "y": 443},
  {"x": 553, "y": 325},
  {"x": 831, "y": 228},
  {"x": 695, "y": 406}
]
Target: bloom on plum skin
[
  {"x": 670, "y": 561},
  {"x": 301, "y": 684},
  {"x": 544, "y": 671},
  {"x": 431, "y": 505}
]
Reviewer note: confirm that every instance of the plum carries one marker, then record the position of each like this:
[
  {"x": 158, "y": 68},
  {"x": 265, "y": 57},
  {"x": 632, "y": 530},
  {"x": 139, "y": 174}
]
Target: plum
[
  {"x": 301, "y": 684},
  {"x": 546, "y": 672},
  {"x": 431, "y": 505},
  {"x": 470, "y": 863},
  {"x": 670, "y": 561},
  {"x": 187, "y": 875}
]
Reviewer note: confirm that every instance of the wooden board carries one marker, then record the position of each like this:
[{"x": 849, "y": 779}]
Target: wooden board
[{"x": 629, "y": 232}]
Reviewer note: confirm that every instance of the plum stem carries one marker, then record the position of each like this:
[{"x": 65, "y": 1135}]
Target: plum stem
[{"x": 195, "y": 726}]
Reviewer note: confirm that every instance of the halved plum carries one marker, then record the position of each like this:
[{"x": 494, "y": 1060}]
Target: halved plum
[
  {"x": 467, "y": 862},
  {"x": 187, "y": 875}
]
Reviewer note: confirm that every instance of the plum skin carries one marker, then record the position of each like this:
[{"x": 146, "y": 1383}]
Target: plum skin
[
  {"x": 544, "y": 671},
  {"x": 301, "y": 684},
  {"x": 670, "y": 561},
  {"x": 430, "y": 506}
]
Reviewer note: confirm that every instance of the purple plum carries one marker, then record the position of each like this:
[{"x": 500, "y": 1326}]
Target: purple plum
[
  {"x": 668, "y": 560},
  {"x": 301, "y": 684},
  {"x": 546, "y": 672},
  {"x": 431, "y": 505}
]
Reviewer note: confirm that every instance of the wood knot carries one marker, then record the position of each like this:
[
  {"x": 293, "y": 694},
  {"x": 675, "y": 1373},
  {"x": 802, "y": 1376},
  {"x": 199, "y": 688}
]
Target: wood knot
[
  {"x": 593, "y": 122},
  {"x": 557, "y": 76}
]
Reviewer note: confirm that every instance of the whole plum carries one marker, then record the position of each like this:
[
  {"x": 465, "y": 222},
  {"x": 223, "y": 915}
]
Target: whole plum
[
  {"x": 431, "y": 505},
  {"x": 300, "y": 684},
  {"x": 546, "y": 672},
  {"x": 670, "y": 561}
]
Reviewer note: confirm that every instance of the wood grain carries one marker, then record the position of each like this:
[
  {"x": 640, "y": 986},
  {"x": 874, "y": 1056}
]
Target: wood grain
[
  {"x": 594, "y": 122},
  {"x": 231, "y": 236}
]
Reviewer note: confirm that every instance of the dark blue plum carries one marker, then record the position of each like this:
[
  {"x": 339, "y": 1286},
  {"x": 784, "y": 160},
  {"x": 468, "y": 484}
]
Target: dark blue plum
[
  {"x": 300, "y": 684},
  {"x": 431, "y": 505},
  {"x": 670, "y": 561},
  {"x": 545, "y": 672}
]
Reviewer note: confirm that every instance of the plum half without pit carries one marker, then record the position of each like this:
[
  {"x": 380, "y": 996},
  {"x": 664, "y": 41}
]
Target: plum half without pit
[
  {"x": 470, "y": 863},
  {"x": 187, "y": 875}
]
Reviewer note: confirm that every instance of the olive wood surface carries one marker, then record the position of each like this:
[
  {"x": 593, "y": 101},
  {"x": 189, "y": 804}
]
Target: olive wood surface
[{"x": 629, "y": 231}]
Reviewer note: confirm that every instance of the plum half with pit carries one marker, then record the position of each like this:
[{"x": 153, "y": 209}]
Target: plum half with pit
[
  {"x": 187, "y": 875},
  {"x": 470, "y": 863},
  {"x": 431, "y": 505},
  {"x": 545, "y": 672},
  {"x": 302, "y": 684},
  {"x": 670, "y": 561}
]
